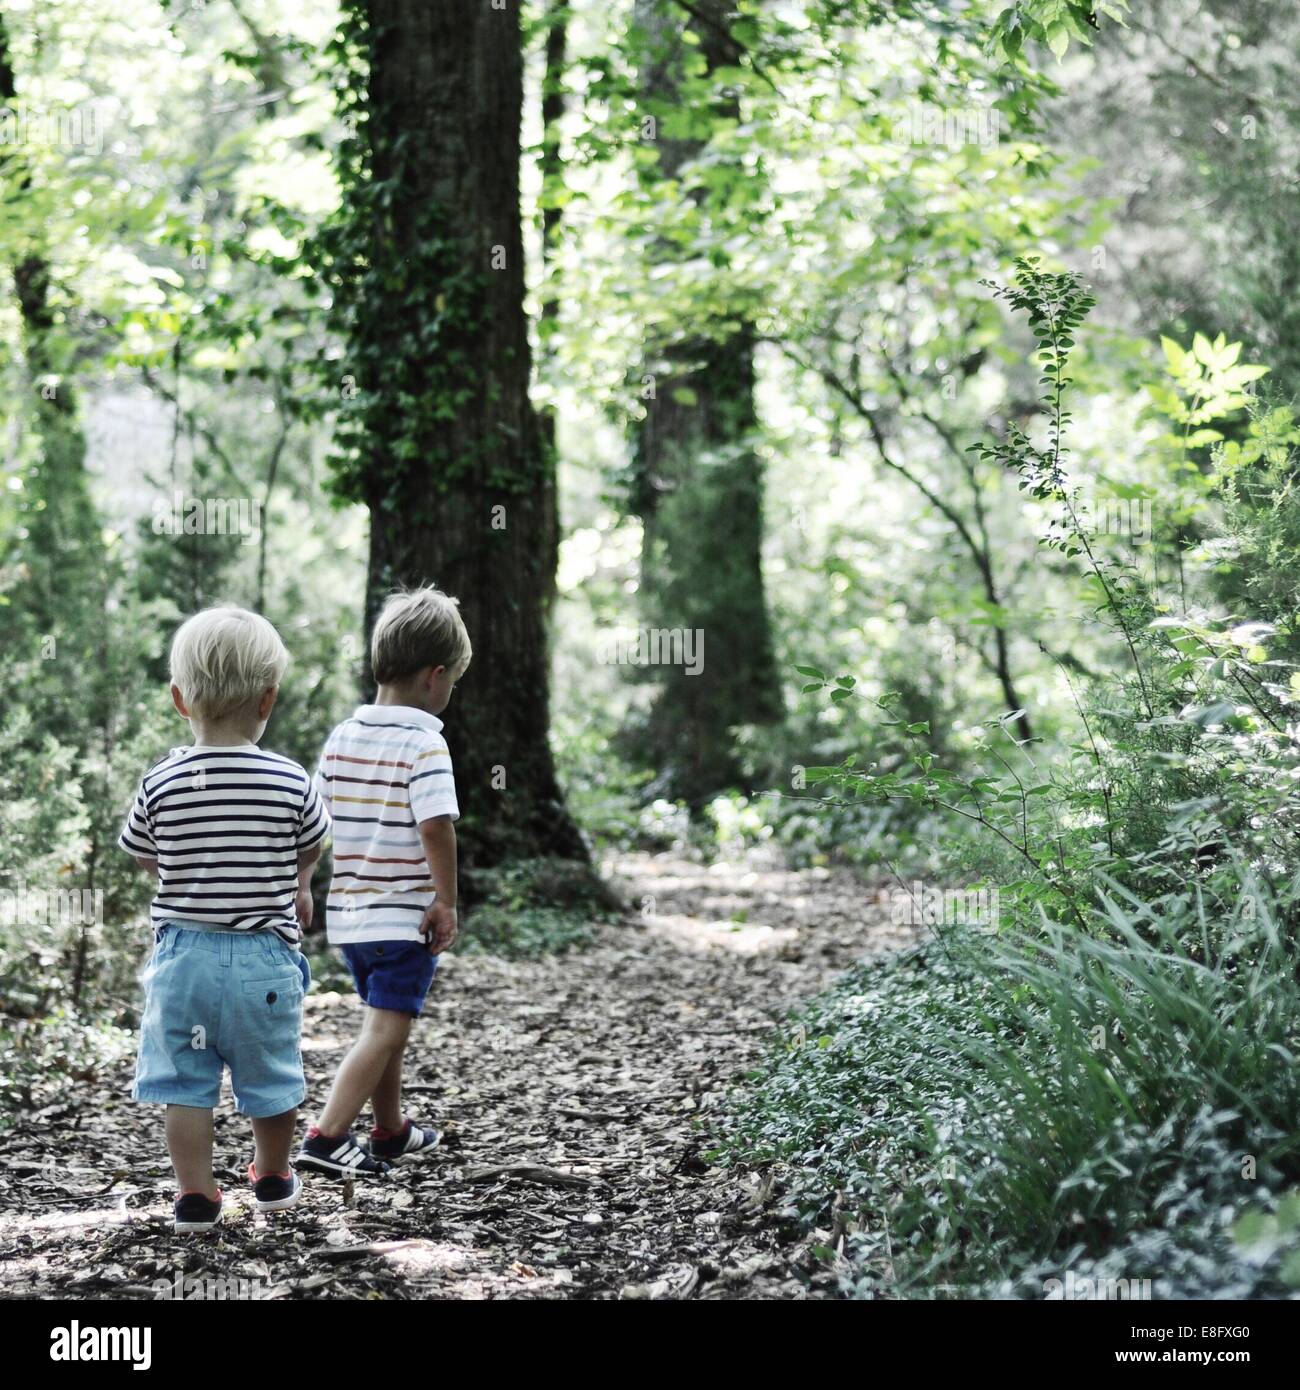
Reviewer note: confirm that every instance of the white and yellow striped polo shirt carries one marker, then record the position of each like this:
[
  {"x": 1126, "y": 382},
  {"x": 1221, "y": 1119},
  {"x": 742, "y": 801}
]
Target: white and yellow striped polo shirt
[{"x": 383, "y": 772}]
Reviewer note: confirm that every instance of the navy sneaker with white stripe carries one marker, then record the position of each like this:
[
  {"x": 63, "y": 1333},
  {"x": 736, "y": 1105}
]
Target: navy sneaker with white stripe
[
  {"x": 339, "y": 1157},
  {"x": 410, "y": 1142}
]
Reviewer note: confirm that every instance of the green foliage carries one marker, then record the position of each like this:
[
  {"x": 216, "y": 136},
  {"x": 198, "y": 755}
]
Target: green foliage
[
  {"x": 40, "y": 1058},
  {"x": 603, "y": 792},
  {"x": 532, "y": 908},
  {"x": 61, "y": 809},
  {"x": 1185, "y": 764},
  {"x": 153, "y": 303},
  {"x": 991, "y": 1111},
  {"x": 1271, "y": 1239},
  {"x": 1208, "y": 383},
  {"x": 43, "y": 825},
  {"x": 1208, "y": 245},
  {"x": 1051, "y": 22},
  {"x": 1102, "y": 1083},
  {"x": 1254, "y": 559},
  {"x": 516, "y": 929}
]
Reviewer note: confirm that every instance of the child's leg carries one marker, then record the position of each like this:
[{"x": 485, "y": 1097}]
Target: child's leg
[
  {"x": 383, "y": 1038},
  {"x": 386, "y": 1098},
  {"x": 189, "y": 1142},
  {"x": 272, "y": 1140}
]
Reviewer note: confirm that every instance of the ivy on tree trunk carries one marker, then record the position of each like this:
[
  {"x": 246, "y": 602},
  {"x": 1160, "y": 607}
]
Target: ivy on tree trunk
[{"x": 439, "y": 438}]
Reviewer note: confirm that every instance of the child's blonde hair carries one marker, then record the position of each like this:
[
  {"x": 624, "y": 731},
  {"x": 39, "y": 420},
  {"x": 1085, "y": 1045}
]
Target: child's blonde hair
[
  {"x": 415, "y": 629},
  {"x": 223, "y": 659}
]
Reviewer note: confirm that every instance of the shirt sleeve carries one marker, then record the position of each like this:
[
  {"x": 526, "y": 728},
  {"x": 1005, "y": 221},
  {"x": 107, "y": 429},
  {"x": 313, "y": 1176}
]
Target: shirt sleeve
[
  {"x": 432, "y": 786},
  {"x": 137, "y": 834},
  {"x": 324, "y": 783},
  {"x": 315, "y": 822}
]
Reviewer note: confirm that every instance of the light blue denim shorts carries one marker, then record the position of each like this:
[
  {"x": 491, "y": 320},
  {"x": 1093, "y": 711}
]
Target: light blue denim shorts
[{"x": 217, "y": 999}]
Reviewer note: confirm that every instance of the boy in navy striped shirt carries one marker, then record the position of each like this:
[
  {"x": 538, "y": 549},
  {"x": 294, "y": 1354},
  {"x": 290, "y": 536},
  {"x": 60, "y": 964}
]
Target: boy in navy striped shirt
[
  {"x": 386, "y": 778},
  {"x": 232, "y": 834}
]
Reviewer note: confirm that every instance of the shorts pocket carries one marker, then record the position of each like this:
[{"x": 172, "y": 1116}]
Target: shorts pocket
[
  {"x": 263, "y": 1042},
  {"x": 270, "y": 1014},
  {"x": 279, "y": 992}
]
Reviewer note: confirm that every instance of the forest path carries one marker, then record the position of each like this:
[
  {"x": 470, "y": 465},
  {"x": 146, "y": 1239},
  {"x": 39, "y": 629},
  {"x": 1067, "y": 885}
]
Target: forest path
[{"x": 570, "y": 1089}]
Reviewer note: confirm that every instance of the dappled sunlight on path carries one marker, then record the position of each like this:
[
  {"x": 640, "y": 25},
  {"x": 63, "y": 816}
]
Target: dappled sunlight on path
[{"x": 575, "y": 1093}]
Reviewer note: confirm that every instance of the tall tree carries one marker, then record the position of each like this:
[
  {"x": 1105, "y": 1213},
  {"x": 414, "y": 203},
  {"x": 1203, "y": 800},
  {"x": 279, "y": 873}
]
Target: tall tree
[
  {"x": 59, "y": 627},
  {"x": 440, "y": 438},
  {"x": 555, "y": 24},
  {"x": 697, "y": 481},
  {"x": 61, "y": 555}
]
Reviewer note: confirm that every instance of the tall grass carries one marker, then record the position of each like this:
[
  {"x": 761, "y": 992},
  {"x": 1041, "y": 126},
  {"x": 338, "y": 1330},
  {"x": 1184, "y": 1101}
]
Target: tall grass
[{"x": 993, "y": 1111}]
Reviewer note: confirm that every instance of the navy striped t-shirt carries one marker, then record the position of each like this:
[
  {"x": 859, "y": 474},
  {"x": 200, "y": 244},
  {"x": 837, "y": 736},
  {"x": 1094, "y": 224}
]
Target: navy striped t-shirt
[{"x": 226, "y": 826}]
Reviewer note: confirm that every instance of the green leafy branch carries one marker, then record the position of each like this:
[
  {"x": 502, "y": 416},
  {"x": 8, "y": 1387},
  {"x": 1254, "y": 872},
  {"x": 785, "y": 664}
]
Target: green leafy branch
[
  {"x": 1056, "y": 305},
  {"x": 1051, "y": 22},
  {"x": 1003, "y": 806}
]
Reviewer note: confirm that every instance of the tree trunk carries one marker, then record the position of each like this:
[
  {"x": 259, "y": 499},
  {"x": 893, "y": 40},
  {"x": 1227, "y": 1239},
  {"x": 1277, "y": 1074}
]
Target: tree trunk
[
  {"x": 698, "y": 487},
  {"x": 449, "y": 454},
  {"x": 63, "y": 584},
  {"x": 552, "y": 170}
]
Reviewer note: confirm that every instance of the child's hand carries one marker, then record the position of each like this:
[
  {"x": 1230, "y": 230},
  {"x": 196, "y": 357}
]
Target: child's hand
[
  {"x": 302, "y": 904},
  {"x": 440, "y": 928}
]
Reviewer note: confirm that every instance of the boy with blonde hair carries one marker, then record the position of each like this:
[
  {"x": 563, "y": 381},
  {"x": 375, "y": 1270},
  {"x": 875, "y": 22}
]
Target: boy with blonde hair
[
  {"x": 231, "y": 833},
  {"x": 386, "y": 778}
]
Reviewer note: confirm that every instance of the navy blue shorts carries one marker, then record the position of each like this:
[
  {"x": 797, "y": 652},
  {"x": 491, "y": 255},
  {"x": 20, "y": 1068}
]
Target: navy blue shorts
[{"x": 392, "y": 975}]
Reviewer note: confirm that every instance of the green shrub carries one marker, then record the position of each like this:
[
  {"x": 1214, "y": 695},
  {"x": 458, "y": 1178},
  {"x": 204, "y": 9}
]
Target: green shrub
[
  {"x": 41, "y": 1057},
  {"x": 1106, "y": 1086},
  {"x": 993, "y": 1111},
  {"x": 532, "y": 907}
]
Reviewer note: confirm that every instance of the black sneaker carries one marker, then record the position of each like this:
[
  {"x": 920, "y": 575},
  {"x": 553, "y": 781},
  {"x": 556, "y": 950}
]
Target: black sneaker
[
  {"x": 275, "y": 1191},
  {"x": 195, "y": 1212},
  {"x": 412, "y": 1142},
  {"x": 340, "y": 1158}
]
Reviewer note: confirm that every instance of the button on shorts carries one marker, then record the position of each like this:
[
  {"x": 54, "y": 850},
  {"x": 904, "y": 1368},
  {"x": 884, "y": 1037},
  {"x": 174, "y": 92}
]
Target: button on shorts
[{"x": 217, "y": 999}]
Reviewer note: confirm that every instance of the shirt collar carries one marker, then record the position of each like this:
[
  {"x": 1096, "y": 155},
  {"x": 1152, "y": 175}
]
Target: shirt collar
[{"x": 398, "y": 714}]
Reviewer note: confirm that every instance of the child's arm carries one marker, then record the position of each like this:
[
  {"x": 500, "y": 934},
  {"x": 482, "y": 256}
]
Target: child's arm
[
  {"x": 440, "y": 926},
  {"x": 313, "y": 831},
  {"x": 307, "y": 861},
  {"x": 137, "y": 835}
]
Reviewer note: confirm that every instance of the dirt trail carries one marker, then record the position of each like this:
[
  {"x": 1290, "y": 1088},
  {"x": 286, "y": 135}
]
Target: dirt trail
[{"x": 572, "y": 1093}]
